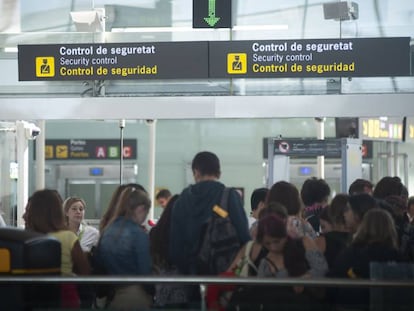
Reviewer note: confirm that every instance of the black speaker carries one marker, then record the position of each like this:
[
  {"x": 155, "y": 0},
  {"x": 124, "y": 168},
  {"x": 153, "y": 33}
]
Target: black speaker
[{"x": 346, "y": 127}]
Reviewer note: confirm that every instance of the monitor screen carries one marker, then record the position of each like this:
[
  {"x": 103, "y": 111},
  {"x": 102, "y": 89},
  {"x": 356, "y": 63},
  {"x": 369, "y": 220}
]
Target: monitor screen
[
  {"x": 346, "y": 127},
  {"x": 409, "y": 130},
  {"x": 382, "y": 128}
]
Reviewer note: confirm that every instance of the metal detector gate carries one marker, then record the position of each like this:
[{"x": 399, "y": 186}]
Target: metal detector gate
[{"x": 349, "y": 150}]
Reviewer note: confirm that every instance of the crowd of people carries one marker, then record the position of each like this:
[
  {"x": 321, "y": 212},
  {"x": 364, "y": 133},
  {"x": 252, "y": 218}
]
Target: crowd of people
[{"x": 291, "y": 232}]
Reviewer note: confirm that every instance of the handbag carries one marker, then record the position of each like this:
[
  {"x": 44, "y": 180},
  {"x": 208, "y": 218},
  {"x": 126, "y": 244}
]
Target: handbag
[{"x": 245, "y": 263}]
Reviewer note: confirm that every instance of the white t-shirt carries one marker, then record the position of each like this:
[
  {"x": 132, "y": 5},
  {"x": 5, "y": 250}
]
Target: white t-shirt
[{"x": 88, "y": 237}]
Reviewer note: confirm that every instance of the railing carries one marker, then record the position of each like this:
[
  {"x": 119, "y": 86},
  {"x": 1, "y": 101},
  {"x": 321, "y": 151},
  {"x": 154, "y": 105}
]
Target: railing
[
  {"x": 206, "y": 280},
  {"x": 203, "y": 281}
]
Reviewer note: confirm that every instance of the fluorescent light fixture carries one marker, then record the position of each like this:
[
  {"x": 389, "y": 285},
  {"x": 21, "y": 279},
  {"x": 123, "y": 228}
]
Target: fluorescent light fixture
[
  {"x": 13, "y": 49},
  {"x": 163, "y": 29},
  {"x": 261, "y": 27},
  {"x": 188, "y": 29}
]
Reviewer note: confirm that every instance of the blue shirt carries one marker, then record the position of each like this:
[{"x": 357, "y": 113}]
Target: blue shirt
[{"x": 124, "y": 249}]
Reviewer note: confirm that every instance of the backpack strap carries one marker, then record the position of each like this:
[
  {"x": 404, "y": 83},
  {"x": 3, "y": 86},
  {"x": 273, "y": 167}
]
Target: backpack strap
[
  {"x": 224, "y": 198},
  {"x": 248, "y": 249}
]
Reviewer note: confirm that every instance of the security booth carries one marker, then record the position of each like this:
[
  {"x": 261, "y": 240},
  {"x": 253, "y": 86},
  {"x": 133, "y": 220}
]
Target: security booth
[
  {"x": 339, "y": 174},
  {"x": 26, "y": 253}
]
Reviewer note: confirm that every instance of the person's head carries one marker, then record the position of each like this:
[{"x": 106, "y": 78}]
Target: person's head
[
  {"x": 74, "y": 210},
  {"x": 45, "y": 212},
  {"x": 359, "y": 204},
  {"x": 388, "y": 186},
  {"x": 397, "y": 205},
  {"x": 360, "y": 186},
  {"x": 286, "y": 194},
  {"x": 274, "y": 208},
  {"x": 257, "y": 200},
  {"x": 336, "y": 210},
  {"x": 162, "y": 197},
  {"x": 133, "y": 204},
  {"x": 109, "y": 213},
  {"x": 315, "y": 191},
  {"x": 272, "y": 233},
  {"x": 136, "y": 186},
  {"x": 110, "y": 210},
  {"x": 205, "y": 165},
  {"x": 377, "y": 226}
]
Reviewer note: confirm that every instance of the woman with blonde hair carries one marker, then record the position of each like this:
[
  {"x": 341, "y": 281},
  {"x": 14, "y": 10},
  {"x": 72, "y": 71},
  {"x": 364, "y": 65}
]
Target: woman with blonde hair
[{"x": 74, "y": 210}]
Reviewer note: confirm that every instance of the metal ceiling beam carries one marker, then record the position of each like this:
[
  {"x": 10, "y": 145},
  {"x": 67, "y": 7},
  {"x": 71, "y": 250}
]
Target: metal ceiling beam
[{"x": 207, "y": 107}]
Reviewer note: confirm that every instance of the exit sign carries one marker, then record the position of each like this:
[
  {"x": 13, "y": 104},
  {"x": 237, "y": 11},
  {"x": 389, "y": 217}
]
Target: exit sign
[{"x": 212, "y": 14}]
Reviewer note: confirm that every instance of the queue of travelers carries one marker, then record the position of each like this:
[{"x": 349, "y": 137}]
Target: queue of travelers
[{"x": 293, "y": 233}]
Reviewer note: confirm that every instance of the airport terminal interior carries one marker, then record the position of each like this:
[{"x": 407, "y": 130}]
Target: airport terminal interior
[
  {"x": 96, "y": 93},
  {"x": 167, "y": 120}
]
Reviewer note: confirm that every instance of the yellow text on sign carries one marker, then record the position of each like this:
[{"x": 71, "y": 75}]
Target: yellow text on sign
[
  {"x": 45, "y": 66},
  {"x": 237, "y": 63}
]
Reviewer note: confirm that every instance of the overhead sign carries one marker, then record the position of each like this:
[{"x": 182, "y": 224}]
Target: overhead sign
[
  {"x": 308, "y": 147},
  {"x": 89, "y": 149},
  {"x": 212, "y": 13},
  {"x": 162, "y": 60},
  {"x": 361, "y": 57}
]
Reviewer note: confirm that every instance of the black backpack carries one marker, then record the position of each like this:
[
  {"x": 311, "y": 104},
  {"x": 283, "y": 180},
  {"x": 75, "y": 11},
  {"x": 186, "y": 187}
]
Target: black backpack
[{"x": 219, "y": 241}]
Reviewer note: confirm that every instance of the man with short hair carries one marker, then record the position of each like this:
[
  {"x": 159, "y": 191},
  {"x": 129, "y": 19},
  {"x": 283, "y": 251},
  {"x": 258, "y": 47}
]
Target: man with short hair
[
  {"x": 162, "y": 197},
  {"x": 360, "y": 186}
]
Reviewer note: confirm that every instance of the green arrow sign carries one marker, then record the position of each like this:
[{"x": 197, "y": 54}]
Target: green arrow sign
[{"x": 212, "y": 19}]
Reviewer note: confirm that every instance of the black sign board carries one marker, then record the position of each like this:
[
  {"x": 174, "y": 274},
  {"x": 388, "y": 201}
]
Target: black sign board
[
  {"x": 162, "y": 60},
  {"x": 310, "y": 58},
  {"x": 310, "y": 148},
  {"x": 212, "y": 14},
  {"x": 89, "y": 149},
  {"x": 361, "y": 57}
]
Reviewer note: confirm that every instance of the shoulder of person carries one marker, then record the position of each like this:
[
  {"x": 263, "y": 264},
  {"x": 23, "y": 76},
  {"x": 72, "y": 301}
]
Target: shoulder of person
[{"x": 91, "y": 229}]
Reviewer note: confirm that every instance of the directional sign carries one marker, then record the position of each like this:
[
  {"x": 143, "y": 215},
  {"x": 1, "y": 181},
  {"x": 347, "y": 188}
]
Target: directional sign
[
  {"x": 350, "y": 57},
  {"x": 89, "y": 149},
  {"x": 212, "y": 14},
  {"x": 156, "y": 60}
]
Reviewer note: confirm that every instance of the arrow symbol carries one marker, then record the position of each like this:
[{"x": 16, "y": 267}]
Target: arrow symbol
[{"x": 211, "y": 19}]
